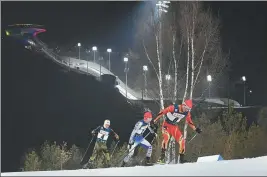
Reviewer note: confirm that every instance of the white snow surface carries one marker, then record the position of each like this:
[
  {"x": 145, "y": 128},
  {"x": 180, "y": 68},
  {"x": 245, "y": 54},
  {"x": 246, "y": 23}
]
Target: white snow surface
[{"x": 241, "y": 167}]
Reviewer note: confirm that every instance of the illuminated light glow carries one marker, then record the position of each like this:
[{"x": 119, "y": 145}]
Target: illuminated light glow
[
  {"x": 7, "y": 33},
  {"x": 145, "y": 68},
  {"x": 244, "y": 78},
  {"x": 209, "y": 79},
  {"x": 168, "y": 77},
  {"x": 125, "y": 59},
  {"x": 79, "y": 44},
  {"x": 109, "y": 50},
  {"x": 94, "y": 48}
]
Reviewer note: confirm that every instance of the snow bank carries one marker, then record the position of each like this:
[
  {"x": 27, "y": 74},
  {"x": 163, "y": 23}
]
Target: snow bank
[{"x": 242, "y": 167}]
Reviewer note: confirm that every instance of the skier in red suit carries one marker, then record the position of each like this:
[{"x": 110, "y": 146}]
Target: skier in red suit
[{"x": 174, "y": 114}]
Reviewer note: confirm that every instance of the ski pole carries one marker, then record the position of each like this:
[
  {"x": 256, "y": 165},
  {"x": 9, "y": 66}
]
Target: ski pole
[
  {"x": 192, "y": 138},
  {"x": 88, "y": 148},
  {"x": 114, "y": 148}
]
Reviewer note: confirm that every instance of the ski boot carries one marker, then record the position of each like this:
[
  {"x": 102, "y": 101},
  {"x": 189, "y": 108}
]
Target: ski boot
[
  {"x": 123, "y": 164},
  {"x": 85, "y": 166},
  {"x": 147, "y": 162},
  {"x": 181, "y": 159},
  {"x": 162, "y": 157}
]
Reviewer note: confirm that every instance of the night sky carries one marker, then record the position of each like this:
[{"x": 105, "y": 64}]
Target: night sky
[{"x": 42, "y": 102}]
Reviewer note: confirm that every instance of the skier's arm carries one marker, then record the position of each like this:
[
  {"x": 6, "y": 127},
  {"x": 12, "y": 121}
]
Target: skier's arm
[
  {"x": 115, "y": 134},
  {"x": 164, "y": 112},
  {"x": 137, "y": 127},
  {"x": 96, "y": 130},
  {"x": 191, "y": 124}
]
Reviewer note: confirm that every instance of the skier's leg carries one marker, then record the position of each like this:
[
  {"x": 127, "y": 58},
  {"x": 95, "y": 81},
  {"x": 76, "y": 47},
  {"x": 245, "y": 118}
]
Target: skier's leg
[
  {"x": 177, "y": 134},
  {"x": 144, "y": 143},
  {"x": 95, "y": 152},
  {"x": 165, "y": 141},
  {"x": 106, "y": 155},
  {"x": 166, "y": 138}
]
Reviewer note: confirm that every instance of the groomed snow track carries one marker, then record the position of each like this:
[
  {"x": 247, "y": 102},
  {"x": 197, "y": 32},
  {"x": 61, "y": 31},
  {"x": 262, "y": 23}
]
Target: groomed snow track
[{"x": 242, "y": 167}]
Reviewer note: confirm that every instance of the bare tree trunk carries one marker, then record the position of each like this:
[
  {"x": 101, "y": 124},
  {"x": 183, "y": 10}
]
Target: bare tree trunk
[
  {"x": 187, "y": 66},
  {"x": 159, "y": 57},
  {"x": 192, "y": 57},
  {"x": 175, "y": 66},
  {"x": 201, "y": 62}
]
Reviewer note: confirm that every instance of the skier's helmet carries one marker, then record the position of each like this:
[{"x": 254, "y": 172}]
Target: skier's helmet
[
  {"x": 147, "y": 116},
  {"x": 188, "y": 104},
  {"x": 106, "y": 123}
]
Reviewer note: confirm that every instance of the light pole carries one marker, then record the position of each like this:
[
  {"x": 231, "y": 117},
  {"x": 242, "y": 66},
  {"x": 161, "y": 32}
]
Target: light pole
[
  {"x": 109, "y": 51},
  {"x": 125, "y": 59},
  {"x": 144, "y": 91},
  {"x": 100, "y": 59},
  {"x": 79, "y": 46},
  {"x": 94, "y": 49},
  {"x": 244, "y": 80},
  {"x": 209, "y": 79},
  {"x": 162, "y": 7},
  {"x": 87, "y": 59}
]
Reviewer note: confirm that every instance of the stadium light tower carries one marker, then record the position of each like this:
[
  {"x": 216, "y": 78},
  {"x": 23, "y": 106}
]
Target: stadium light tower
[
  {"x": 161, "y": 7},
  {"x": 94, "y": 50},
  {"x": 126, "y": 69},
  {"x": 109, "y": 51},
  {"x": 209, "y": 79},
  {"x": 244, "y": 81},
  {"x": 79, "y": 45},
  {"x": 144, "y": 91}
]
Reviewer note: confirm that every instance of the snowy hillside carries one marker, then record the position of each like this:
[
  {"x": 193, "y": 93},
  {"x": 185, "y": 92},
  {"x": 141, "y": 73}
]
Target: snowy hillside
[{"x": 244, "y": 167}]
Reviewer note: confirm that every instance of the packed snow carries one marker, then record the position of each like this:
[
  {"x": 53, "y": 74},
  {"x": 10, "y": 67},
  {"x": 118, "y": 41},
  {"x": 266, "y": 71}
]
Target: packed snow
[{"x": 241, "y": 167}]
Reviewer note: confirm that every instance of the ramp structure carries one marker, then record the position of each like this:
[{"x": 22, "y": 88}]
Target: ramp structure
[{"x": 27, "y": 33}]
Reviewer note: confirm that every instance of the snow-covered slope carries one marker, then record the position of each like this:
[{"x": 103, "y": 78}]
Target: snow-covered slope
[{"x": 243, "y": 167}]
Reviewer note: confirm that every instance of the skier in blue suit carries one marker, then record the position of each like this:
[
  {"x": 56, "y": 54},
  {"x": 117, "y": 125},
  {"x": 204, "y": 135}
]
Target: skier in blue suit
[{"x": 137, "y": 138}]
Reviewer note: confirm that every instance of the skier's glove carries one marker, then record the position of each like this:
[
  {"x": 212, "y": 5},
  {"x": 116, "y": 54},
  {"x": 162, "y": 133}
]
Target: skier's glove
[
  {"x": 93, "y": 133},
  {"x": 153, "y": 126},
  {"x": 117, "y": 137},
  {"x": 198, "y": 130},
  {"x": 130, "y": 145}
]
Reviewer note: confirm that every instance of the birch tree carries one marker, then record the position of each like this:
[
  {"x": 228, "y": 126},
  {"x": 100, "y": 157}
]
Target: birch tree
[
  {"x": 202, "y": 51},
  {"x": 202, "y": 31},
  {"x": 149, "y": 37}
]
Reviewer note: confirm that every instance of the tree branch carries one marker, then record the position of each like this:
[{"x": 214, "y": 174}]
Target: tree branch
[{"x": 149, "y": 59}]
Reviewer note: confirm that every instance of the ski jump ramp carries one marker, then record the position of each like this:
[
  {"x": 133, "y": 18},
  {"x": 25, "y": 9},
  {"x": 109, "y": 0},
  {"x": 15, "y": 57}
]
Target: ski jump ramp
[
  {"x": 241, "y": 167},
  {"x": 88, "y": 67}
]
